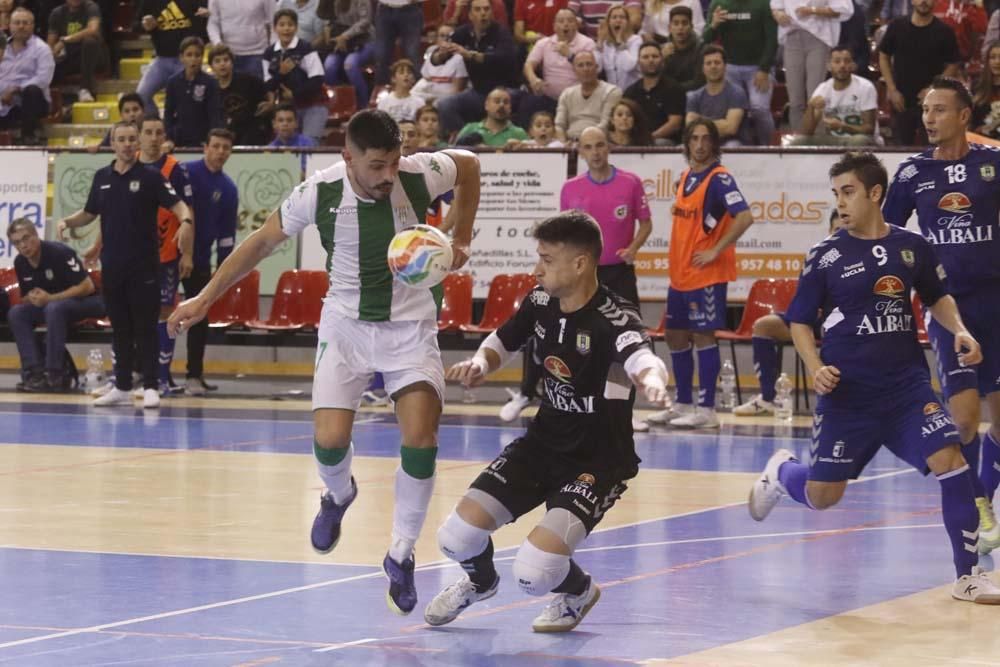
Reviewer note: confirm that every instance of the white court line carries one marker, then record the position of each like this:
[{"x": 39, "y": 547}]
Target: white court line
[
  {"x": 298, "y": 589},
  {"x": 357, "y": 642},
  {"x": 188, "y": 556}
]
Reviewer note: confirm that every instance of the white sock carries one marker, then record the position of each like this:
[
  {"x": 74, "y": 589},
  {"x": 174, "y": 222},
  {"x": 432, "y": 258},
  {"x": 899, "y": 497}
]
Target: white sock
[
  {"x": 412, "y": 498},
  {"x": 338, "y": 477}
]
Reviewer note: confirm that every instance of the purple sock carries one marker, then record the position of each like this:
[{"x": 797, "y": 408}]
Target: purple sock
[
  {"x": 377, "y": 383},
  {"x": 990, "y": 474},
  {"x": 709, "y": 364},
  {"x": 970, "y": 451},
  {"x": 683, "y": 363},
  {"x": 765, "y": 362},
  {"x": 961, "y": 518},
  {"x": 166, "y": 351},
  {"x": 793, "y": 476}
]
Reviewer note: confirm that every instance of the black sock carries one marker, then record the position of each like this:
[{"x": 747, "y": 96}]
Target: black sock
[
  {"x": 575, "y": 583},
  {"x": 480, "y": 569}
]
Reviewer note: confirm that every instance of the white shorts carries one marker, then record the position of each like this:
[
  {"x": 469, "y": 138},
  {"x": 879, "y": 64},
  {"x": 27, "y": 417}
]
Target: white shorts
[{"x": 350, "y": 351}]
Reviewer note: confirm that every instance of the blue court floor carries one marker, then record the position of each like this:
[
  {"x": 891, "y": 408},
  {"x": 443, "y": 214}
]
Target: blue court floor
[{"x": 676, "y": 584}]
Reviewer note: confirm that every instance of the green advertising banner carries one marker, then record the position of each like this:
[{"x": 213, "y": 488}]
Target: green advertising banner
[{"x": 263, "y": 182}]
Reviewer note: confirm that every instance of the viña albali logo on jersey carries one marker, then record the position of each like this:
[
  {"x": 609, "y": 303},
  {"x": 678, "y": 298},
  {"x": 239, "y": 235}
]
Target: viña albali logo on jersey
[
  {"x": 958, "y": 228},
  {"x": 893, "y": 314}
]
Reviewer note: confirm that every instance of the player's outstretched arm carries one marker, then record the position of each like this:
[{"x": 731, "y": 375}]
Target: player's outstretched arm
[
  {"x": 490, "y": 356},
  {"x": 945, "y": 311},
  {"x": 825, "y": 378},
  {"x": 462, "y": 213},
  {"x": 649, "y": 374},
  {"x": 254, "y": 249}
]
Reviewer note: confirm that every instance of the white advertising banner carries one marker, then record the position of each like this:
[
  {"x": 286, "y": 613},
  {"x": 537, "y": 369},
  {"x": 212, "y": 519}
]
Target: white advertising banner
[
  {"x": 518, "y": 189},
  {"x": 789, "y": 196},
  {"x": 23, "y": 175}
]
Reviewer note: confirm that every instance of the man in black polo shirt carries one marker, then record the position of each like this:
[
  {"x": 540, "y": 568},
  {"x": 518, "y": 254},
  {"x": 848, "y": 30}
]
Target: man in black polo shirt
[
  {"x": 490, "y": 59},
  {"x": 126, "y": 195},
  {"x": 660, "y": 98},
  {"x": 55, "y": 290}
]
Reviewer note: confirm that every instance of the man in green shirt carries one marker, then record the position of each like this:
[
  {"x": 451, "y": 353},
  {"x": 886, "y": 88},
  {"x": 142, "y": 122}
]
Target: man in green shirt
[
  {"x": 496, "y": 129},
  {"x": 747, "y": 31}
]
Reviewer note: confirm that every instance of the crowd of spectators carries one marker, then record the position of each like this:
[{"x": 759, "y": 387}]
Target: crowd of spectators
[{"x": 572, "y": 59}]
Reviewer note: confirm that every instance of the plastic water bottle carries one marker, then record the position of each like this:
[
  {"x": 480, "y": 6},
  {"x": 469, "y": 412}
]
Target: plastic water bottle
[
  {"x": 727, "y": 384},
  {"x": 468, "y": 395},
  {"x": 95, "y": 368},
  {"x": 783, "y": 399}
]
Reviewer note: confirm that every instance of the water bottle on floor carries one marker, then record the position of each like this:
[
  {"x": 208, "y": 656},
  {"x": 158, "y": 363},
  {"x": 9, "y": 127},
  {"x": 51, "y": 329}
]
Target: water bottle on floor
[
  {"x": 783, "y": 399},
  {"x": 95, "y": 369},
  {"x": 727, "y": 386}
]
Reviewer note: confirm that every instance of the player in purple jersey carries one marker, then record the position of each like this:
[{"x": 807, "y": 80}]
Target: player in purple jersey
[
  {"x": 870, "y": 374},
  {"x": 954, "y": 186}
]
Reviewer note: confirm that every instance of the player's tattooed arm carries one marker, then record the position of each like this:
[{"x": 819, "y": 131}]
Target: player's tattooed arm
[
  {"x": 825, "y": 378},
  {"x": 945, "y": 311}
]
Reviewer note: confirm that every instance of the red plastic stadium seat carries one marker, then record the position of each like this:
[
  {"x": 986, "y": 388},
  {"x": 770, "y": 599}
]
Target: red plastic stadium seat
[
  {"x": 239, "y": 305},
  {"x": 660, "y": 332},
  {"x": 298, "y": 302},
  {"x": 456, "y": 306},
  {"x": 121, "y": 18},
  {"x": 341, "y": 103},
  {"x": 767, "y": 296},
  {"x": 506, "y": 292},
  {"x": 8, "y": 283}
]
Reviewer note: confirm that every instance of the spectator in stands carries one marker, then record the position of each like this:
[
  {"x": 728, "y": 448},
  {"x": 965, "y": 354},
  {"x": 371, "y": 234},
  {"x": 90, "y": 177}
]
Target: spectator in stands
[
  {"x": 456, "y": 12},
  {"x": 914, "y": 50},
  {"x": 660, "y": 13},
  {"x": 854, "y": 35},
  {"x": 496, "y": 129},
  {"x": 618, "y": 48},
  {"x": 588, "y": 103},
  {"x": 534, "y": 19},
  {"x": 442, "y": 80},
  {"x": 967, "y": 20},
  {"x": 661, "y": 99},
  {"x": 130, "y": 110},
  {"x": 168, "y": 22},
  {"x": 541, "y": 133},
  {"x": 682, "y": 52},
  {"x": 844, "y": 108},
  {"x": 553, "y": 55},
  {"x": 6, "y": 8},
  {"x": 312, "y": 28},
  {"x": 216, "y": 201},
  {"x": 429, "y": 128},
  {"x": 986, "y": 114},
  {"x": 719, "y": 100},
  {"x": 352, "y": 47},
  {"x": 397, "y": 19},
  {"x": 411, "y": 138},
  {"x": 193, "y": 105},
  {"x": 807, "y": 33},
  {"x": 490, "y": 59},
  {"x": 293, "y": 73},
  {"x": 592, "y": 12},
  {"x": 747, "y": 31},
  {"x": 992, "y": 33},
  {"x": 400, "y": 103},
  {"x": 286, "y": 129},
  {"x": 243, "y": 99},
  {"x": 627, "y": 126},
  {"x": 243, "y": 26},
  {"x": 26, "y": 71},
  {"x": 77, "y": 45},
  {"x": 56, "y": 291}
]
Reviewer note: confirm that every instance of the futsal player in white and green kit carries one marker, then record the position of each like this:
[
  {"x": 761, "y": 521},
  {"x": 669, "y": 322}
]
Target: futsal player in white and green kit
[{"x": 369, "y": 321}]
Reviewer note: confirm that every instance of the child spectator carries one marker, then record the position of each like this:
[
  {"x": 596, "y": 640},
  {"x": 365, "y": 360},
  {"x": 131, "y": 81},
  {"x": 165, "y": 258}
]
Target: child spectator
[
  {"x": 293, "y": 72},
  {"x": 193, "y": 106},
  {"x": 400, "y": 103}
]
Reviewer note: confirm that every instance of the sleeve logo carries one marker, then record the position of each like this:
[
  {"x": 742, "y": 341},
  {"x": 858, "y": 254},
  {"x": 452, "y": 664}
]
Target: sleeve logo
[
  {"x": 627, "y": 338},
  {"x": 733, "y": 197}
]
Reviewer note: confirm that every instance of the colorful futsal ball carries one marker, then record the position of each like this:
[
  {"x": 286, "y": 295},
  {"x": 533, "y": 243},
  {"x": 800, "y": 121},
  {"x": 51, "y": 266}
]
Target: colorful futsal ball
[{"x": 420, "y": 256}]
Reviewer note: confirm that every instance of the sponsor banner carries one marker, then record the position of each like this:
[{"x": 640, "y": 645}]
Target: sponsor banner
[
  {"x": 263, "y": 181},
  {"x": 23, "y": 175},
  {"x": 789, "y": 197},
  {"x": 518, "y": 189}
]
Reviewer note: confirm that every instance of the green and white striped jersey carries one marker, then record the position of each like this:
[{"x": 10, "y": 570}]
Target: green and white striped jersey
[{"x": 355, "y": 233}]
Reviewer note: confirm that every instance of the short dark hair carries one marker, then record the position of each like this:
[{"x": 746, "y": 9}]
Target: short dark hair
[
  {"x": 539, "y": 114},
  {"x": 121, "y": 123},
  {"x": 711, "y": 49},
  {"x": 424, "y": 110},
  {"x": 842, "y": 47},
  {"x": 149, "y": 117},
  {"x": 575, "y": 228},
  {"x": 220, "y": 50},
  {"x": 221, "y": 133},
  {"x": 375, "y": 129},
  {"x": 866, "y": 166},
  {"x": 19, "y": 223},
  {"x": 961, "y": 92},
  {"x": 286, "y": 13},
  {"x": 681, "y": 10},
  {"x": 189, "y": 41},
  {"x": 285, "y": 106},
  {"x": 713, "y": 134},
  {"x": 650, "y": 45},
  {"x": 129, "y": 97}
]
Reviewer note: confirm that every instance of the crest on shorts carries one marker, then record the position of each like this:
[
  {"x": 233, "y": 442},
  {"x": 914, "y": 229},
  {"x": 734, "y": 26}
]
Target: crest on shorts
[
  {"x": 586, "y": 479},
  {"x": 133, "y": 186},
  {"x": 583, "y": 342},
  {"x": 987, "y": 172},
  {"x": 908, "y": 257},
  {"x": 838, "y": 449}
]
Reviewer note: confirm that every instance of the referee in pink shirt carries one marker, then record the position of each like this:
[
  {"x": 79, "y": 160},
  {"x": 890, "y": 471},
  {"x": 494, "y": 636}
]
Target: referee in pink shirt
[{"x": 615, "y": 199}]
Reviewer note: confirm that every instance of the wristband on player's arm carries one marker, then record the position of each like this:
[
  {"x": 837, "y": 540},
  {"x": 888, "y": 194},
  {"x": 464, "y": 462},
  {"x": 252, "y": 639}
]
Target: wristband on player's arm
[{"x": 494, "y": 343}]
